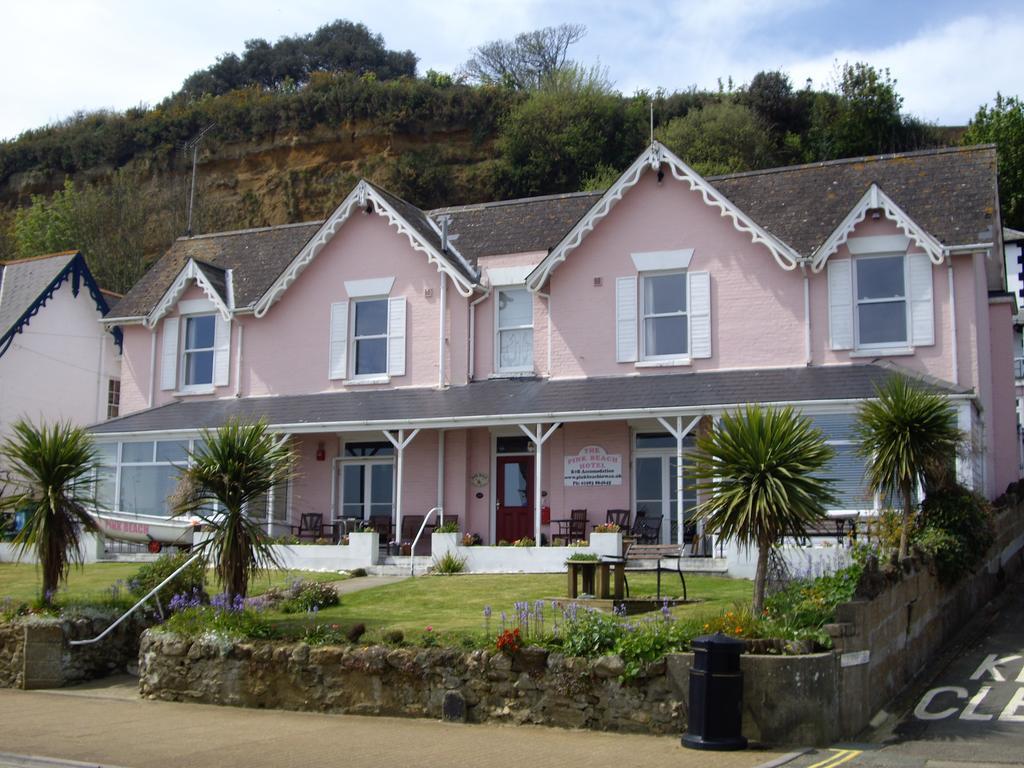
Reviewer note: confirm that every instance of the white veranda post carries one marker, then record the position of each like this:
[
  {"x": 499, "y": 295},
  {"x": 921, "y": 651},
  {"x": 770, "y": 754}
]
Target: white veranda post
[
  {"x": 679, "y": 434},
  {"x": 538, "y": 437},
  {"x": 400, "y": 444}
]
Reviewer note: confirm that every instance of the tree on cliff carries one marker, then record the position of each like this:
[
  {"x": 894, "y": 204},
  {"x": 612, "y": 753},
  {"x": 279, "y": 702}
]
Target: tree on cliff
[
  {"x": 525, "y": 62},
  {"x": 759, "y": 473},
  {"x": 1003, "y": 125},
  {"x": 234, "y": 467}
]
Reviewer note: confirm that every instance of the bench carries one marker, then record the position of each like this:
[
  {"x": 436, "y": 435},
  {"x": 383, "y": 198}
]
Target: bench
[
  {"x": 637, "y": 555},
  {"x": 838, "y": 528}
]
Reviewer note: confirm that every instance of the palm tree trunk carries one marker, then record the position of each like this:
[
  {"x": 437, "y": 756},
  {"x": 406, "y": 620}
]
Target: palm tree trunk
[
  {"x": 761, "y": 576},
  {"x": 907, "y": 512}
]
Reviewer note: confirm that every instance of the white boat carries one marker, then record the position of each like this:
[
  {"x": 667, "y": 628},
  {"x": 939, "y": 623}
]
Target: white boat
[{"x": 170, "y": 531}]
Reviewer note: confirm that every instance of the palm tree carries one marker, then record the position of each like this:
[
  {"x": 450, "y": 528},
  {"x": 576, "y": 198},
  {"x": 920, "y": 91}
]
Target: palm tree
[
  {"x": 51, "y": 472},
  {"x": 904, "y": 435},
  {"x": 233, "y": 467},
  {"x": 759, "y": 470}
]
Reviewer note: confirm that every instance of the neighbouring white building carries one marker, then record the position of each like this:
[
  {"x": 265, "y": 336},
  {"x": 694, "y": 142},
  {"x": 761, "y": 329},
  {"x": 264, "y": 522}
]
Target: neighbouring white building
[{"x": 57, "y": 361}]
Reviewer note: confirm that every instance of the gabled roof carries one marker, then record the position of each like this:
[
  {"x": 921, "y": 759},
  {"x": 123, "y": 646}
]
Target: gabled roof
[
  {"x": 255, "y": 257},
  {"x": 652, "y": 159},
  {"x": 950, "y": 193},
  {"x": 27, "y": 285},
  {"x": 215, "y": 282},
  {"x": 515, "y": 226},
  {"x": 404, "y": 217},
  {"x": 526, "y": 400}
]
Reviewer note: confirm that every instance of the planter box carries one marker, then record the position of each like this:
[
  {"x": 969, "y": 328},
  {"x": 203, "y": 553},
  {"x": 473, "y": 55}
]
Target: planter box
[
  {"x": 364, "y": 546},
  {"x": 444, "y": 542},
  {"x": 606, "y": 544}
]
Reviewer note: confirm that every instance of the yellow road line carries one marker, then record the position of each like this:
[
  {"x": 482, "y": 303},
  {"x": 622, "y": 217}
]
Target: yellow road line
[{"x": 841, "y": 756}]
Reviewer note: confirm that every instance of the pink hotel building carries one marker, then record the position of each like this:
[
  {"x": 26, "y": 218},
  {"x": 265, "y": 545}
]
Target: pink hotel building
[{"x": 515, "y": 360}]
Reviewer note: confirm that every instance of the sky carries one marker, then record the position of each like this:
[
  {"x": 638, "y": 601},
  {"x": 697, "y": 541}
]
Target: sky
[{"x": 947, "y": 56}]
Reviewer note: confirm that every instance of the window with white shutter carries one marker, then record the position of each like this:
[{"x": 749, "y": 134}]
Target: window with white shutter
[
  {"x": 339, "y": 340},
  {"x": 840, "y": 303},
  {"x": 169, "y": 354},
  {"x": 396, "y": 336},
  {"x": 625, "y": 320}
]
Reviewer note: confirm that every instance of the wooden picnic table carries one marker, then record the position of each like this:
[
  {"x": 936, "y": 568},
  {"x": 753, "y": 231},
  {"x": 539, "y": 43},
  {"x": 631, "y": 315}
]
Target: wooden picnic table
[{"x": 601, "y": 578}]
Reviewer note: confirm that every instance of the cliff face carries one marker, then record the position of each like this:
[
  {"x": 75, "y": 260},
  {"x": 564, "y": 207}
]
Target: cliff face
[{"x": 295, "y": 177}]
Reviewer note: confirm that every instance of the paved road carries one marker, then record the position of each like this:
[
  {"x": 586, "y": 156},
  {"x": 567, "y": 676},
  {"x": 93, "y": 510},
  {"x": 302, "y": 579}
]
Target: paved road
[
  {"x": 111, "y": 726},
  {"x": 969, "y": 711}
]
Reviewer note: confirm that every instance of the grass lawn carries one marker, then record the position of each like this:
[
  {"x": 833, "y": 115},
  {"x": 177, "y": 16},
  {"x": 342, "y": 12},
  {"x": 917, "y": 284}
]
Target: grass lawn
[
  {"x": 91, "y": 583},
  {"x": 456, "y": 603},
  {"x": 445, "y": 603}
]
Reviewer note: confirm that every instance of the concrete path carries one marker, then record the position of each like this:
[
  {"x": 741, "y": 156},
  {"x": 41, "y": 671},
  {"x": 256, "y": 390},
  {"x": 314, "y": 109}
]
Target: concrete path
[
  {"x": 360, "y": 583},
  {"x": 113, "y": 727}
]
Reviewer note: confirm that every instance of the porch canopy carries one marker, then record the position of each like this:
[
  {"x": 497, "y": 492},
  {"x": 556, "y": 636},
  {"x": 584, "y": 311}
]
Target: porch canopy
[{"x": 535, "y": 405}]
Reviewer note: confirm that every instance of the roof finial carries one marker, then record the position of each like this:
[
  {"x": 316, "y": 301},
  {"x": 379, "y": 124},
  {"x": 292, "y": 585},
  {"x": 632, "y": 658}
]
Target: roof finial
[{"x": 652, "y": 121}]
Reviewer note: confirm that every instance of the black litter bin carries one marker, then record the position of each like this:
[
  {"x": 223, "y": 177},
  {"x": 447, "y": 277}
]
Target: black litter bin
[{"x": 716, "y": 694}]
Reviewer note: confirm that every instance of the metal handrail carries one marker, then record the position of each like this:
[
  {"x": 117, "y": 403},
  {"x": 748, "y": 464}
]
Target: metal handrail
[
  {"x": 132, "y": 610},
  {"x": 415, "y": 541}
]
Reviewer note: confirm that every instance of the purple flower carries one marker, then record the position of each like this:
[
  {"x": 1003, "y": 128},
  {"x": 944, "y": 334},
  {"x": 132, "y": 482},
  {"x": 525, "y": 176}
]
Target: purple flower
[{"x": 487, "y": 611}]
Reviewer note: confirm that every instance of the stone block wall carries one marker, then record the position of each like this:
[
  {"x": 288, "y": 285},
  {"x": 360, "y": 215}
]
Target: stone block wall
[
  {"x": 786, "y": 699},
  {"x": 883, "y": 643},
  {"x": 36, "y": 652}
]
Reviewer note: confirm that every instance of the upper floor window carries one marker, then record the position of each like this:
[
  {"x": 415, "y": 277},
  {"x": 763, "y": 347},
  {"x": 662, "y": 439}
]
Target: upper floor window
[
  {"x": 113, "y": 398},
  {"x": 665, "y": 320},
  {"x": 514, "y": 330},
  {"x": 881, "y": 298},
  {"x": 197, "y": 350},
  {"x": 370, "y": 337}
]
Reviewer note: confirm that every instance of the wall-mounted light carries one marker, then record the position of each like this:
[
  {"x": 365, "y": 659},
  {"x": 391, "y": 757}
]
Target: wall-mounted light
[
  {"x": 321, "y": 452},
  {"x": 661, "y": 175}
]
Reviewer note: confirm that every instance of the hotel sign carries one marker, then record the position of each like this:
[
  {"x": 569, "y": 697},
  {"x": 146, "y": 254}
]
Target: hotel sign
[{"x": 592, "y": 467}]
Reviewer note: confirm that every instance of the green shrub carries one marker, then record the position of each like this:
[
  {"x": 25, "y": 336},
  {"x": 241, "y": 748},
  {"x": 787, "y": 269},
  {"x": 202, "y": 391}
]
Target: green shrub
[
  {"x": 583, "y": 557},
  {"x": 228, "y": 624},
  {"x": 802, "y": 609},
  {"x": 357, "y": 573},
  {"x": 191, "y": 580},
  {"x": 955, "y": 531},
  {"x": 526, "y": 541},
  {"x": 591, "y": 633},
  {"x": 449, "y": 563},
  {"x": 449, "y": 526},
  {"x": 304, "y": 596}
]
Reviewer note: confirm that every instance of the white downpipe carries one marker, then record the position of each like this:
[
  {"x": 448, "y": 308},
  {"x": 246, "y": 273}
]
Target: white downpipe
[
  {"x": 472, "y": 333},
  {"x": 440, "y": 333},
  {"x": 807, "y": 313},
  {"x": 538, "y": 438},
  {"x": 152, "y": 367},
  {"x": 952, "y": 322},
  {"x": 547, "y": 297},
  {"x": 440, "y": 472},
  {"x": 679, "y": 434},
  {"x": 400, "y": 445},
  {"x": 238, "y": 363},
  {"x": 101, "y": 396}
]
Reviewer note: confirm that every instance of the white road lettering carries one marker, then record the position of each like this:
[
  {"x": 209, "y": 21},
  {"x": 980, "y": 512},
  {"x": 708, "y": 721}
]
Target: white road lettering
[
  {"x": 991, "y": 665},
  {"x": 921, "y": 710},
  {"x": 1015, "y": 705},
  {"x": 969, "y": 712}
]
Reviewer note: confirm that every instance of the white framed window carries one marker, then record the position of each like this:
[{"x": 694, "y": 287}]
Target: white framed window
[
  {"x": 513, "y": 329},
  {"x": 113, "y": 398},
  {"x": 369, "y": 337},
  {"x": 880, "y": 291},
  {"x": 197, "y": 351},
  {"x": 665, "y": 317},
  {"x": 365, "y": 481}
]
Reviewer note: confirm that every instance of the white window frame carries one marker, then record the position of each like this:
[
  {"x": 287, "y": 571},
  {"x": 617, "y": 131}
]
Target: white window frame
[
  {"x": 184, "y": 351},
  {"x": 498, "y": 329},
  {"x": 354, "y": 340},
  {"x": 858, "y": 303},
  {"x": 667, "y": 455},
  {"x": 368, "y": 463},
  {"x": 644, "y": 316}
]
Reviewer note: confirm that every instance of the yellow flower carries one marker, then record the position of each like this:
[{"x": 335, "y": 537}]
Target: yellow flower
[{"x": 739, "y": 630}]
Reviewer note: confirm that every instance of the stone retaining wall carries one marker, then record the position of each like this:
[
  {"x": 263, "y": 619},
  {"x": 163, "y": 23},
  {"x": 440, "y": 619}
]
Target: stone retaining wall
[
  {"x": 35, "y": 652},
  {"x": 882, "y": 644},
  {"x": 787, "y": 699}
]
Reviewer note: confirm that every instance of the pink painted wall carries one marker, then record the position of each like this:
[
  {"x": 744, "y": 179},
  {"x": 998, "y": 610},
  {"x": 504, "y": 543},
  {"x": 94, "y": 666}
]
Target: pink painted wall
[
  {"x": 614, "y": 437},
  {"x": 757, "y": 307},
  {"x": 286, "y": 351},
  {"x": 484, "y": 361},
  {"x": 1005, "y": 447},
  {"x": 135, "y": 378},
  {"x": 311, "y": 488}
]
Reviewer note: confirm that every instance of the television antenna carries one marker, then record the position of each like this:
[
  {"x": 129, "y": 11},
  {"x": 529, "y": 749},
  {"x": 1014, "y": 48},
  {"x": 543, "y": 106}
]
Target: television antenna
[{"x": 193, "y": 144}]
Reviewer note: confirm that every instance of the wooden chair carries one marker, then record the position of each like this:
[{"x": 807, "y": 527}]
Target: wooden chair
[
  {"x": 647, "y": 529},
  {"x": 311, "y": 526},
  {"x": 618, "y": 516},
  {"x": 382, "y": 525},
  {"x": 410, "y": 527},
  {"x": 573, "y": 528}
]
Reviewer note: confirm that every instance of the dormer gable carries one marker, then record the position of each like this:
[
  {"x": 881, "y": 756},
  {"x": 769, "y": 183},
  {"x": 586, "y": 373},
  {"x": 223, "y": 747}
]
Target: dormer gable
[
  {"x": 652, "y": 159},
  {"x": 424, "y": 235},
  {"x": 214, "y": 282}
]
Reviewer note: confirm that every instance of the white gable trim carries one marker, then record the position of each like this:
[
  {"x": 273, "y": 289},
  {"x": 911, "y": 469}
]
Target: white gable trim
[
  {"x": 191, "y": 271},
  {"x": 875, "y": 198},
  {"x": 358, "y": 199},
  {"x": 652, "y": 158},
  {"x": 509, "y": 275},
  {"x": 374, "y": 286}
]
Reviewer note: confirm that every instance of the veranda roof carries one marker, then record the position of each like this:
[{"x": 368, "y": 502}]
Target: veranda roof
[{"x": 503, "y": 401}]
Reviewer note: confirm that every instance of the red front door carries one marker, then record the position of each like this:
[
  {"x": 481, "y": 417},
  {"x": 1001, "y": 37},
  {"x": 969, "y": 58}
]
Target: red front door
[{"x": 514, "y": 516}]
